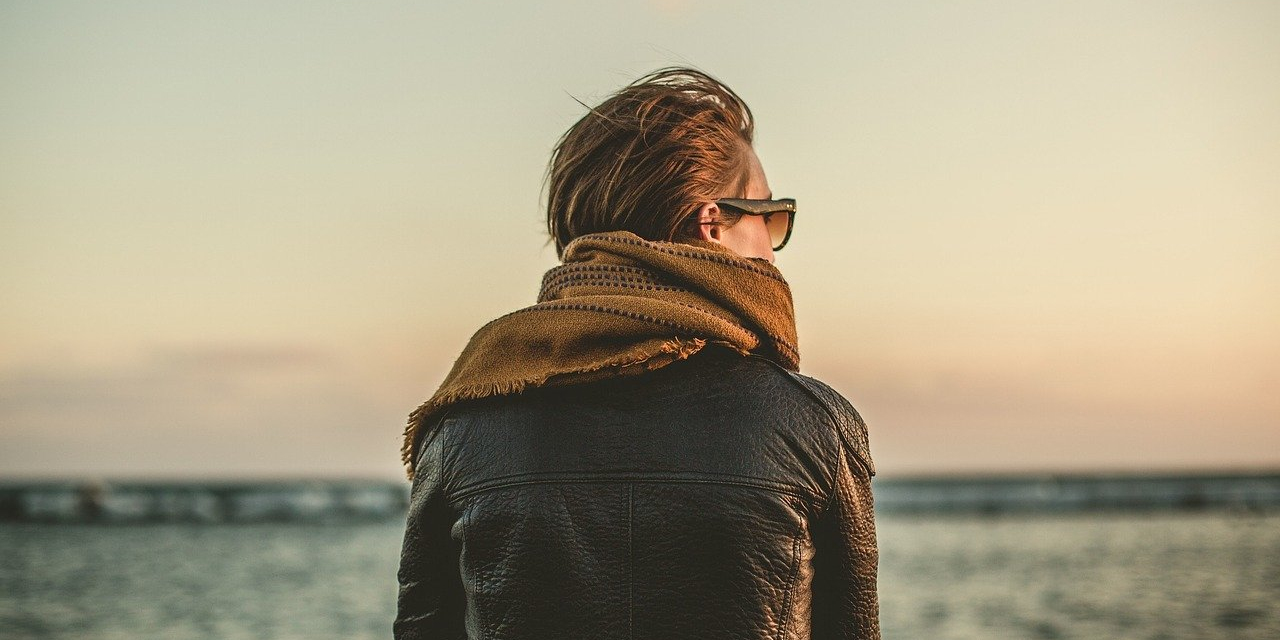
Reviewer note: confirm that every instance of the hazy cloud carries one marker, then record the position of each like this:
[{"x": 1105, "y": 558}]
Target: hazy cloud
[
  {"x": 198, "y": 410},
  {"x": 232, "y": 358}
]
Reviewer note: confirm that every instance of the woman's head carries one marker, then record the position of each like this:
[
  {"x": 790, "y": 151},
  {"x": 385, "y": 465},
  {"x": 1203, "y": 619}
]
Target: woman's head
[{"x": 651, "y": 157}]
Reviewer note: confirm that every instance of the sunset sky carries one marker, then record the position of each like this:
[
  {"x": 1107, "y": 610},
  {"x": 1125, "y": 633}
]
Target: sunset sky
[{"x": 247, "y": 239}]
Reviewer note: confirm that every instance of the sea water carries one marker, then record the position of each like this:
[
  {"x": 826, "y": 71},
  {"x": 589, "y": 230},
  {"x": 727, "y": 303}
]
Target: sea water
[{"x": 1154, "y": 576}]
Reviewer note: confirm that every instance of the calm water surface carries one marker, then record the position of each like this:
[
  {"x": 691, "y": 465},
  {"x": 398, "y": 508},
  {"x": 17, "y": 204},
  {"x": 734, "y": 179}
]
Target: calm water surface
[
  {"x": 1159, "y": 577},
  {"x": 1151, "y": 577}
]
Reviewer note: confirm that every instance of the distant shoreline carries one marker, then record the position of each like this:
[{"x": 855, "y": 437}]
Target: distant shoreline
[
  {"x": 1079, "y": 492},
  {"x": 354, "y": 500}
]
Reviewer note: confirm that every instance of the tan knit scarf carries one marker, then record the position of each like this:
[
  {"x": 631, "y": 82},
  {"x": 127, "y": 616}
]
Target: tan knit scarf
[{"x": 618, "y": 305}]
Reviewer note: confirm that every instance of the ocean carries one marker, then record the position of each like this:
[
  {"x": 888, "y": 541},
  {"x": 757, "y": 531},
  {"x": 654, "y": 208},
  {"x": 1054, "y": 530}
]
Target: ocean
[
  {"x": 1087, "y": 574},
  {"x": 1160, "y": 576}
]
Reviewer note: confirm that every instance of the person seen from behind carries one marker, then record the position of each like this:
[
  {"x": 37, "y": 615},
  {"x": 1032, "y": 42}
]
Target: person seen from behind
[{"x": 636, "y": 455}]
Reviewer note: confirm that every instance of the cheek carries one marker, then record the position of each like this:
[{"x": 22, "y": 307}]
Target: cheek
[{"x": 760, "y": 231}]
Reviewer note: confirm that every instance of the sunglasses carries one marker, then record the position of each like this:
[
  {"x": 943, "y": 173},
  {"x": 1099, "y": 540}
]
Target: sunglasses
[{"x": 779, "y": 215}]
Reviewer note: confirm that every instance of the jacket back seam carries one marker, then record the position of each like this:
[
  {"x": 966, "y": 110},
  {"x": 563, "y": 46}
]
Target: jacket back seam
[
  {"x": 478, "y": 587},
  {"x": 631, "y": 500},
  {"x": 462, "y": 495},
  {"x": 655, "y": 475},
  {"x": 791, "y": 583}
]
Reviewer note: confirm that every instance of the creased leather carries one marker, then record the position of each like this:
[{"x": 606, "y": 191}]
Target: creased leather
[
  {"x": 853, "y": 430},
  {"x": 620, "y": 305},
  {"x": 717, "y": 497}
]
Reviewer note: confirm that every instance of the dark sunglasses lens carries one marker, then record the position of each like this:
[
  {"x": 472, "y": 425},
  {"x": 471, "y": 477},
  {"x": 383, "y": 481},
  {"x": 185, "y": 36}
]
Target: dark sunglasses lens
[{"x": 777, "y": 222}]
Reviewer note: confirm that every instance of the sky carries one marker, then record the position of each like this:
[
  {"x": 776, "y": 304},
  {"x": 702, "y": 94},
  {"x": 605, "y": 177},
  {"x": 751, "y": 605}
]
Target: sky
[{"x": 246, "y": 239}]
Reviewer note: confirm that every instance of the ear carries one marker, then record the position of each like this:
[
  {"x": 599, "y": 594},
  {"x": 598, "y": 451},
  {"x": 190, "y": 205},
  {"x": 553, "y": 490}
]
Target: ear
[{"x": 707, "y": 214}]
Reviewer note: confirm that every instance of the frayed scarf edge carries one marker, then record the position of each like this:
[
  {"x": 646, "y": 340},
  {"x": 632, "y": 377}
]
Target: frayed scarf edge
[{"x": 671, "y": 351}]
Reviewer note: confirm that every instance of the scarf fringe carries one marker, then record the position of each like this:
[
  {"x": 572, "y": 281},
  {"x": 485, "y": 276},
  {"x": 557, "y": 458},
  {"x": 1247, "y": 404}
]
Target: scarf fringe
[
  {"x": 670, "y": 351},
  {"x": 619, "y": 305}
]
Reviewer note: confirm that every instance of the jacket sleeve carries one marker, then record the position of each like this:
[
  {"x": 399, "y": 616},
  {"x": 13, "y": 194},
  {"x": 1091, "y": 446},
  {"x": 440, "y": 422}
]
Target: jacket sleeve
[
  {"x": 846, "y": 558},
  {"x": 431, "y": 602}
]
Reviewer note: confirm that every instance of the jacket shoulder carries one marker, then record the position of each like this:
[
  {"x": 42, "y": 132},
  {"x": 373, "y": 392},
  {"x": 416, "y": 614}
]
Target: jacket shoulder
[{"x": 848, "y": 422}]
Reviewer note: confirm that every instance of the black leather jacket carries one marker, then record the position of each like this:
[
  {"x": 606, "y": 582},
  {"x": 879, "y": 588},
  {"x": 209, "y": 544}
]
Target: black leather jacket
[{"x": 720, "y": 496}]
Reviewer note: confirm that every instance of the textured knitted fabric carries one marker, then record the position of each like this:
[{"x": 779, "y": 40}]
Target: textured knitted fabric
[{"x": 619, "y": 305}]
